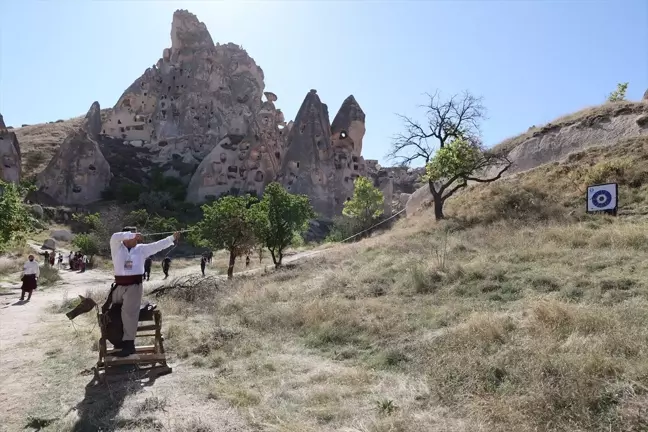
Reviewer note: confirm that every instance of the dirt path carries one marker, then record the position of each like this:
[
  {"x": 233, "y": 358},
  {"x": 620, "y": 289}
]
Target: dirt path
[{"x": 23, "y": 324}]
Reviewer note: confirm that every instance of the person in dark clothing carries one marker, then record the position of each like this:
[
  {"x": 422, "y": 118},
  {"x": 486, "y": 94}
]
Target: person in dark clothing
[
  {"x": 166, "y": 264},
  {"x": 247, "y": 261},
  {"x": 203, "y": 263},
  {"x": 210, "y": 255},
  {"x": 147, "y": 267},
  {"x": 47, "y": 260}
]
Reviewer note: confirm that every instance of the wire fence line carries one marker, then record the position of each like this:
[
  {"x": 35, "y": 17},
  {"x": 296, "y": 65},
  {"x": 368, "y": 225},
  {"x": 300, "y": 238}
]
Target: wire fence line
[
  {"x": 372, "y": 227},
  {"x": 341, "y": 241}
]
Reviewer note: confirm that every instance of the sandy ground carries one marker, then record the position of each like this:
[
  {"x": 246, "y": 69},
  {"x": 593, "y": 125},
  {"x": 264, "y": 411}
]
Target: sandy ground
[{"x": 23, "y": 353}]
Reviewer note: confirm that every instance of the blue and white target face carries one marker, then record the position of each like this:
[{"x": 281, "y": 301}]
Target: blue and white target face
[{"x": 601, "y": 197}]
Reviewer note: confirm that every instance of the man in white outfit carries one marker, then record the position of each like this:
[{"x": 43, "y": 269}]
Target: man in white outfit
[
  {"x": 128, "y": 256},
  {"x": 29, "y": 276}
]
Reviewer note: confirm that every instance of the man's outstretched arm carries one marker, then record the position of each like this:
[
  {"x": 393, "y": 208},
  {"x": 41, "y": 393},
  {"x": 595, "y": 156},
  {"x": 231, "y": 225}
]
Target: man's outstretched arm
[{"x": 152, "y": 248}]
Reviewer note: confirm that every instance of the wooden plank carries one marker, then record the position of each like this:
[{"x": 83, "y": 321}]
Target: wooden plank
[
  {"x": 146, "y": 327},
  {"x": 134, "y": 359},
  {"x": 139, "y": 349}
]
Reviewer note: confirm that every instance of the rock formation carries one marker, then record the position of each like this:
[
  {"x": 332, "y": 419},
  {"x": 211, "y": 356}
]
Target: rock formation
[
  {"x": 322, "y": 160},
  {"x": 645, "y": 96},
  {"x": 10, "y": 159},
  {"x": 197, "y": 97},
  {"x": 242, "y": 163},
  {"x": 78, "y": 173}
]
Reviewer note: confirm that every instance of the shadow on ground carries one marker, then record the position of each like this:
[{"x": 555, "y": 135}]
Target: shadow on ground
[{"x": 99, "y": 409}]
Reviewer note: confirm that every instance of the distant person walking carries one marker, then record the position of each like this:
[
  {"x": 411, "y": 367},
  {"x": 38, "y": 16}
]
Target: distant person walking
[
  {"x": 210, "y": 256},
  {"x": 52, "y": 258},
  {"x": 148, "y": 262},
  {"x": 203, "y": 263},
  {"x": 247, "y": 261},
  {"x": 30, "y": 275},
  {"x": 166, "y": 264},
  {"x": 60, "y": 260}
]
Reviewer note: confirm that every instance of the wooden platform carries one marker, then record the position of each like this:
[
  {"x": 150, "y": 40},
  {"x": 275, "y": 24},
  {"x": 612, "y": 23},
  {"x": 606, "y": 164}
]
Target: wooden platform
[{"x": 149, "y": 361}]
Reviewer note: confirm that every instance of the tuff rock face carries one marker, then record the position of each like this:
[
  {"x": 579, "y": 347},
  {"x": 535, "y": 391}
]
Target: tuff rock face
[
  {"x": 323, "y": 160},
  {"x": 242, "y": 164},
  {"x": 199, "y": 96},
  {"x": 10, "y": 159},
  {"x": 78, "y": 173}
]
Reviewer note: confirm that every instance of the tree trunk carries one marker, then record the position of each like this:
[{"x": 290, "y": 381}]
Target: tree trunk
[
  {"x": 230, "y": 268},
  {"x": 438, "y": 202},
  {"x": 278, "y": 263},
  {"x": 438, "y": 209},
  {"x": 274, "y": 258}
]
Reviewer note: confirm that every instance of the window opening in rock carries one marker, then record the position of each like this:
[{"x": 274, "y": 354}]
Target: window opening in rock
[
  {"x": 92, "y": 168},
  {"x": 122, "y": 129},
  {"x": 355, "y": 167},
  {"x": 343, "y": 134},
  {"x": 355, "y": 158},
  {"x": 144, "y": 93},
  {"x": 278, "y": 155},
  {"x": 103, "y": 131},
  {"x": 163, "y": 104},
  {"x": 76, "y": 189},
  {"x": 118, "y": 121},
  {"x": 297, "y": 164}
]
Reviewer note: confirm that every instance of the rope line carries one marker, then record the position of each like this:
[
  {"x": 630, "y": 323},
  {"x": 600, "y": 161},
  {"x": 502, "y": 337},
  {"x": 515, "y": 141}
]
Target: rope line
[{"x": 372, "y": 227}]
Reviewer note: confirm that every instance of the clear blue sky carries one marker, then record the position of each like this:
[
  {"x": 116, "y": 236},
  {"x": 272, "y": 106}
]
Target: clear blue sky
[{"x": 531, "y": 60}]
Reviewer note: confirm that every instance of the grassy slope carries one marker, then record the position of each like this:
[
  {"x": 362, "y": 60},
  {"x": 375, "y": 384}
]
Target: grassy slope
[{"x": 527, "y": 315}]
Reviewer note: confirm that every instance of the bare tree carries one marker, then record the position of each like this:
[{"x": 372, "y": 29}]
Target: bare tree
[
  {"x": 450, "y": 145},
  {"x": 458, "y": 116}
]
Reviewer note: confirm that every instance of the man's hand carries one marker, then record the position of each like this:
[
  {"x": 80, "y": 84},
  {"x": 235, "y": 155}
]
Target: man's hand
[{"x": 176, "y": 236}]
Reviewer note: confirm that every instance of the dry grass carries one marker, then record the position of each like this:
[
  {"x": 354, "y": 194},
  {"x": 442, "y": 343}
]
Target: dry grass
[
  {"x": 520, "y": 314},
  {"x": 587, "y": 116}
]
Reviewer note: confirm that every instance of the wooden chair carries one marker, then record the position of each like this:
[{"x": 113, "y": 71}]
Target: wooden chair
[{"x": 149, "y": 361}]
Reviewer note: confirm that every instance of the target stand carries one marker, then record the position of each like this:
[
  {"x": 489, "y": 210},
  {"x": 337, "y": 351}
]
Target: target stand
[
  {"x": 149, "y": 361},
  {"x": 603, "y": 198}
]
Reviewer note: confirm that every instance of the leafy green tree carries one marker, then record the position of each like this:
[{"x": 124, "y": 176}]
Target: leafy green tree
[
  {"x": 87, "y": 244},
  {"x": 278, "y": 217},
  {"x": 457, "y": 163},
  {"x": 619, "y": 94},
  {"x": 367, "y": 203},
  {"x": 15, "y": 219},
  {"x": 227, "y": 224}
]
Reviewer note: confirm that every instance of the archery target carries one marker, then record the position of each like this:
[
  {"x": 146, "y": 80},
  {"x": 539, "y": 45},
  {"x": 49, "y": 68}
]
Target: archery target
[{"x": 602, "y": 197}]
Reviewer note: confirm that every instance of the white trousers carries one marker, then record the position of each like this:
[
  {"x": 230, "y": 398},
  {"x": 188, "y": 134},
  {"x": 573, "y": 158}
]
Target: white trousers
[{"x": 130, "y": 296}]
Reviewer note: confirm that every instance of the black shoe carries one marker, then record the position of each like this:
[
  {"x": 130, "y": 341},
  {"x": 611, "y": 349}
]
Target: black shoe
[{"x": 128, "y": 348}]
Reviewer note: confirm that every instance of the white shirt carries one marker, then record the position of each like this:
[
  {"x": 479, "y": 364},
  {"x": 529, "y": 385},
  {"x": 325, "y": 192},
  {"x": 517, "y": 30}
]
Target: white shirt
[
  {"x": 31, "y": 267},
  {"x": 129, "y": 263}
]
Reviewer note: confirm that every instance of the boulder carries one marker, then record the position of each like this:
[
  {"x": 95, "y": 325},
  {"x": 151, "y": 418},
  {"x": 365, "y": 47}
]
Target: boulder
[
  {"x": 78, "y": 173},
  {"x": 50, "y": 243},
  {"x": 420, "y": 199},
  {"x": 10, "y": 158},
  {"x": 62, "y": 235},
  {"x": 645, "y": 96},
  {"x": 37, "y": 210}
]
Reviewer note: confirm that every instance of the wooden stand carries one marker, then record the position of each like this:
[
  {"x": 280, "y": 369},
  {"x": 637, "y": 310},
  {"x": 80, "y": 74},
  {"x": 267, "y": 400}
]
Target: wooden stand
[{"x": 149, "y": 361}]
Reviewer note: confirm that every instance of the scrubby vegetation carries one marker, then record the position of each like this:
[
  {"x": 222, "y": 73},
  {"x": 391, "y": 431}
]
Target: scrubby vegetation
[{"x": 519, "y": 313}]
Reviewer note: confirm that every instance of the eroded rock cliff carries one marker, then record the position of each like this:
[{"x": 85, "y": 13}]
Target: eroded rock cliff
[
  {"x": 10, "y": 158},
  {"x": 198, "y": 96},
  {"x": 79, "y": 172}
]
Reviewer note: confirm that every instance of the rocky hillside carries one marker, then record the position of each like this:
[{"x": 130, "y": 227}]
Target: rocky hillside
[{"x": 601, "y": 125}]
